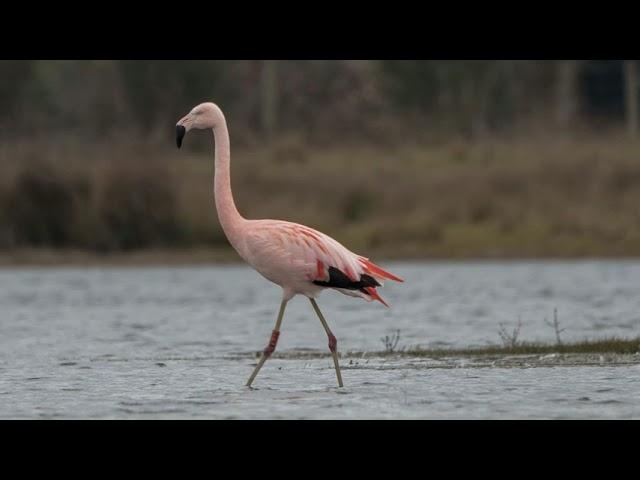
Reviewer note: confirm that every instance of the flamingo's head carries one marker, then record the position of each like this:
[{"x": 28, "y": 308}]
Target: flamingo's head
[{"x": 203, "y": 116}]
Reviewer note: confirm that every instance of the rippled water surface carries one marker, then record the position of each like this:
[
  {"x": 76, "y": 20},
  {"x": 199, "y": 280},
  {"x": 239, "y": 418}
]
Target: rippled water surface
[{"x": 173, "y": 343}]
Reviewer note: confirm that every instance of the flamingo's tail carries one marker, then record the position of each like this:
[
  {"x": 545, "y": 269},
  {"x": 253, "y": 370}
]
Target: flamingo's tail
[
  {"x": 375, "y": 271},
  {"x": 371, "y": 291}
]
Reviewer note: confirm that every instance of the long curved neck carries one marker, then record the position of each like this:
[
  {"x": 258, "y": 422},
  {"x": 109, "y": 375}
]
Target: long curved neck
[{"x": 230, "y": 218}]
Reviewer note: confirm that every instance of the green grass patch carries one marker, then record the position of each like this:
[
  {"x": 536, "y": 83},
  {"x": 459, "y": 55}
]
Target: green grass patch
[{"x": 606, "y": 345}]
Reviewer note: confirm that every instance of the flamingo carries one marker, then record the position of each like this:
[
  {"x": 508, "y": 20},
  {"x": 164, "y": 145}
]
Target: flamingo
[{"x": 301, "y": 260}]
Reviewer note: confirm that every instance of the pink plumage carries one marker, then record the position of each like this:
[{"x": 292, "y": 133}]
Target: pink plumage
[
  {"x": 294, "y": 256},
  {"x": 303, "y": 261}
]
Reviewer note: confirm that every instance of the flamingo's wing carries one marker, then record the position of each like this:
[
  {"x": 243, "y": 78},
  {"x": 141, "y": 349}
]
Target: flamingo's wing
[
  {"x": 302, "y": 254},
  {"x": 278, "y": 254}
]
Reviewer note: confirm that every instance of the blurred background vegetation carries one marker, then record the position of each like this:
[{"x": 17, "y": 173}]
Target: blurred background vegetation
[{"x": 434, "y": 158}]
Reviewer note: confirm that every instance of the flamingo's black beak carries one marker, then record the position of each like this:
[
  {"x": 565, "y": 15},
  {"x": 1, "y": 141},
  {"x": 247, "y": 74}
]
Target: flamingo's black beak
[{"x": 180, "y": 131}]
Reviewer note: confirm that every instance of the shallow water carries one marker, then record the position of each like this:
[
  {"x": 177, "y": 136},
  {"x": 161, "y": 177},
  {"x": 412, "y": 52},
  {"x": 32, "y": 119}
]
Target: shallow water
[{"x": 173, "y": 343}]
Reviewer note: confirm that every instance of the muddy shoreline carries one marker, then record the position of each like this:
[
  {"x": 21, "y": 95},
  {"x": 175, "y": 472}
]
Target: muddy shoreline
[
  {"x": 176, "y": 257},
  {"x": 383, "y": 360}
]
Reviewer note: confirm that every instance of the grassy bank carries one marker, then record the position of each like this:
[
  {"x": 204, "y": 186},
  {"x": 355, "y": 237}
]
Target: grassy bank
[
  {"x": 543, "y": 197},
  {"x": 606, "y": 345},
  {"x": 615, "y": 346}
]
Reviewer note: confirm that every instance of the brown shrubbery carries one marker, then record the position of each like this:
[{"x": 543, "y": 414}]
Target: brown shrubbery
[
  {"x": 42, "y": 208},
  {"x": 120, "y": 207},
  {"x": 137, "y": 209},
  {"x": 506, "y": 198}
]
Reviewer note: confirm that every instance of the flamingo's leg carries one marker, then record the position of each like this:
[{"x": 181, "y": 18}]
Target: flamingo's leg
[
  {"x": 333, "y": 343},
  {"x": 270, "y": 348}
]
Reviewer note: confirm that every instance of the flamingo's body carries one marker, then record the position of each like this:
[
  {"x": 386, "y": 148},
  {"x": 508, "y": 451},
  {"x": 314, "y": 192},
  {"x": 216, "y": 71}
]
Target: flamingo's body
[{"x": 303, "y": 261}]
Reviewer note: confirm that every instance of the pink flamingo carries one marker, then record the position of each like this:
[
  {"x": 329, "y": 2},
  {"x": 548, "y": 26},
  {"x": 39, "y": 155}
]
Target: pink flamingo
[{"x": 299, "y": 259}]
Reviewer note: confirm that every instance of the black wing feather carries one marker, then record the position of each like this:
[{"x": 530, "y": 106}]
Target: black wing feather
[{"x": 337, "y": 279}]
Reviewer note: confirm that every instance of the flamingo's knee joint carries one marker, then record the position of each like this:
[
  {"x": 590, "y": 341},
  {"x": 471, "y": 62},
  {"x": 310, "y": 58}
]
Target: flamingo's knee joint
[
  {"x": 333, "y": 343},
  {"x": 269, "y": 349}
]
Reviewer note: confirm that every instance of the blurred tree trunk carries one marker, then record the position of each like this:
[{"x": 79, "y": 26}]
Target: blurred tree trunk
[
  {"x": 631, "y": 96},
  {"x": 269, "y": 110},
  {"x": 479, "y": 94},
  {"x": 567, "y": 92}
]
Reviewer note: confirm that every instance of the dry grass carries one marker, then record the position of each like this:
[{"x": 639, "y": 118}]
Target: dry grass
[
  {"x": 546, "y": 197},
  {"x": 605, "y": 346}
]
